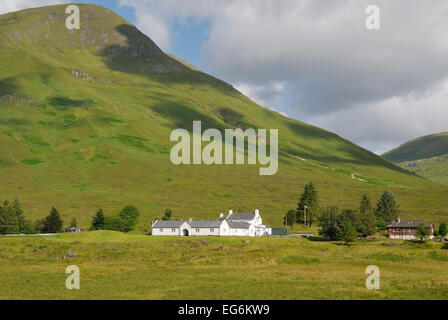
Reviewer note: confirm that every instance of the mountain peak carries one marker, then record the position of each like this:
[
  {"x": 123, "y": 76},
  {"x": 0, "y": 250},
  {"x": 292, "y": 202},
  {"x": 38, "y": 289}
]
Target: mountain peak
[{"x": 103, "y": 33}]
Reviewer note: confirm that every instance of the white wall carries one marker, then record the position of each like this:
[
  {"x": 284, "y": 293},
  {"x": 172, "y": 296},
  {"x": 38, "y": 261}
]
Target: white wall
[
  {"x": 165, "y": 232},
  {"x": 170, "y": 232},
  {"x": 204, "y": 231}
]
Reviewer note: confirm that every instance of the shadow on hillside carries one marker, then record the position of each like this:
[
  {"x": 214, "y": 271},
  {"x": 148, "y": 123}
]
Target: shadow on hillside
[
  {"x": 64, "y": 102},
  {"x": 354, "y": 154},
  {"x": 183, "y": 116},
  {"x": 142, "y": 56},
  {"x": 7, "y": 86}
]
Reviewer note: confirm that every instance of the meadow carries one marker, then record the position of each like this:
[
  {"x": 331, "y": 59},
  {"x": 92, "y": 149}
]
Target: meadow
[{"x": 121, "y": 266}]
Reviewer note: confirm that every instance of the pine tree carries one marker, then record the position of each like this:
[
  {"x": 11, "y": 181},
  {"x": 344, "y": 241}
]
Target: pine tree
[
  {"x": 167, "y": 214},
  {"x": 354, "y": 218},
  {"x": 367, "y": 217},
  {"x": 290, "y": 218},
  {"x": 129, "y": 214},
  {"x": 308, "y": 205},
  {"x": 387, "y": 210},
  {"x": 346, "y": 230},
  {"x": 20, "y": 221},
  {"x": 443, "y": 231},
  {"x": 74, "y": 223},
  {"x": 98, "y": 221},
  {"x": 328, "y": 223},
  {"x": 53, "y": 222},
  {"x": 8, "y": 220}
]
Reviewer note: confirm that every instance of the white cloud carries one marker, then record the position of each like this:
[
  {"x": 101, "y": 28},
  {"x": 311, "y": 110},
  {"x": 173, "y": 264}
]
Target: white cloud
[
  {"x": 269, "y": 95},
  {"x": 388, "y": 81},
  {"x": 16, "y": 5},
  {"x": 386, "y": 124}
]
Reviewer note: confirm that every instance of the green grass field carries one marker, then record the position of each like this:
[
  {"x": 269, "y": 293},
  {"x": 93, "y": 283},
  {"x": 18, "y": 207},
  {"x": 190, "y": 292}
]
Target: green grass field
[
  {"x": 85, "y": 120},
  {"x": 119, "y": 266}
]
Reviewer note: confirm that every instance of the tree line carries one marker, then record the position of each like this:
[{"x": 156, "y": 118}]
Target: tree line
[
  {"x": 125, "y": 221},
  {"x": 347, "y": 224},
  {"x": 13, "y": 221}
]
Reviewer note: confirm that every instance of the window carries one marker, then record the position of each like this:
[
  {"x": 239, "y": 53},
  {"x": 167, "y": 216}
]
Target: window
[
  {"x": 398, "y": 229},
  {"x": 197, "y": 230},
  {"x": 212, "y": 230},
  {"x": 161, "y": 230},
  {"x": 173, "y": 230}
]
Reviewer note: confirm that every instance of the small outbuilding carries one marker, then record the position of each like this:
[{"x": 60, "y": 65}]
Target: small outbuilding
[{"x": 73, "y": 229}]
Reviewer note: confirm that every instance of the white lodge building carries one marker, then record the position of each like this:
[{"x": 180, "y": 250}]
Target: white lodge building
[{"x": 235, "y": 224}]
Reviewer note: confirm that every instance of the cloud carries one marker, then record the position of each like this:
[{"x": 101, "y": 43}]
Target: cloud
[
  {"x": 269, "y": 95},
  {"x": 16, "y": 5},
  {"x": 384, "y": 125},
  {"x": 377, "y": 88}
]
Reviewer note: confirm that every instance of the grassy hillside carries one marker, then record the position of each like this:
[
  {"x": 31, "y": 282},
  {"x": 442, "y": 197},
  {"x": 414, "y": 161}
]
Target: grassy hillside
[
  {"x": 435, "y": 168},
  {"x": 426, "y": 156},
  {"x": 85, "y": 120},
  {"x": 421, "y": 148},
  {"x": 118, "y": 266}
]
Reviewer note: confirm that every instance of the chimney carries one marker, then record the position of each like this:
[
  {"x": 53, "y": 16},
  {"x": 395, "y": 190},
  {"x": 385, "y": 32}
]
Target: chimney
[
  {"x": 230, "y": 212},
  {"x": 221, "y": 215},
  {"x": 257, "y": 213},
  {"x": 190, "y": 220},
  {"x": 398, "y": 220}
]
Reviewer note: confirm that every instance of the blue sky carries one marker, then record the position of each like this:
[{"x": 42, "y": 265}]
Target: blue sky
[{"x": 188, "y": 35}]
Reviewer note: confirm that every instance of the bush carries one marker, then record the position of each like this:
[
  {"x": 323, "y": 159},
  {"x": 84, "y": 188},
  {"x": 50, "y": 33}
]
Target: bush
[
  {"x": 115, "y": 224},
  {"x": 381, "y": 225},
  {"x": 445, "y": 246}
]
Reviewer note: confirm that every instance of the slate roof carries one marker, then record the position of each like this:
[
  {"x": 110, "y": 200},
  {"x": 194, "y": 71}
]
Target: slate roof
[
  {"x": 168, "y": 223},
  {"x": 408, "y": 224},
  {"x": 241, "y": 216},
  {"x": 238, "y": 225},
  {"x": 205, "y": 223}
]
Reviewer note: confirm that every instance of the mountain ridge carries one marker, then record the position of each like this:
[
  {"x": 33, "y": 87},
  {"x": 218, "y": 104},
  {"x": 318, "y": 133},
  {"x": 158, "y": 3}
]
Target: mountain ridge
[
  {"x": 420, "y": 148},
  {"x": 426, "y": 156},
  {"x": 85, "y": 121}
]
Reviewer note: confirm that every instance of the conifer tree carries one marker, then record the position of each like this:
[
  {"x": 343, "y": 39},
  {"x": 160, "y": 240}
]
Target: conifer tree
[
  {"x": 98, "y": 221},
  {"x": 53, "y": 222},
  {"x": 74, "y": 223},
  {"x": 308, "y": 205},
  {"x": 386, "y": 209},
  {"x": 367, "y": 217}
]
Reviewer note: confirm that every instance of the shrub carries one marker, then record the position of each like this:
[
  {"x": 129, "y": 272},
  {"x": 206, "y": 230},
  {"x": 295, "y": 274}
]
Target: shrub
[{"x": 115, "y": 224}]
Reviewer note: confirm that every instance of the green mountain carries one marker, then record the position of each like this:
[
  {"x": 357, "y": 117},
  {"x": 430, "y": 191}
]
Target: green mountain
[
  {"x": 86, "y": 116},
  {"x": 426, "y": 156},
  {"x": 421, "y": 148}
]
